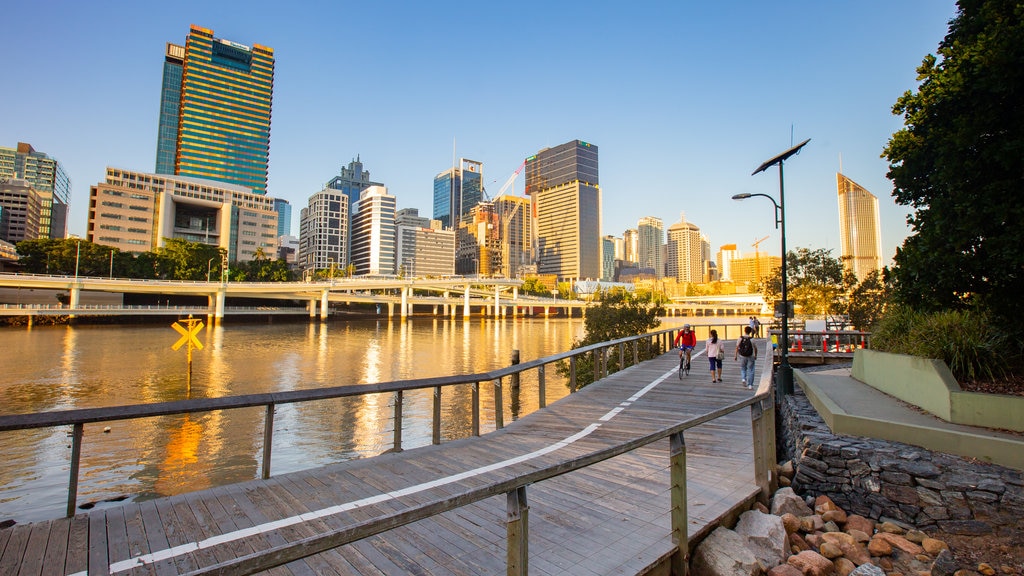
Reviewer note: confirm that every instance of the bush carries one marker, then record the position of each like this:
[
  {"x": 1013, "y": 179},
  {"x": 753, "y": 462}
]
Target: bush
[{"x": 966, "y": 340}]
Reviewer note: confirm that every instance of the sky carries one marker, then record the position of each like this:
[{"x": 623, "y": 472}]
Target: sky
[{"x": 684, "y": 99}]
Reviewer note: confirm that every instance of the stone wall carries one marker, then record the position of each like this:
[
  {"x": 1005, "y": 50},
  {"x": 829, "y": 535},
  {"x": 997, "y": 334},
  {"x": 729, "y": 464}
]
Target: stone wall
[{"x": 891, "y": 481}]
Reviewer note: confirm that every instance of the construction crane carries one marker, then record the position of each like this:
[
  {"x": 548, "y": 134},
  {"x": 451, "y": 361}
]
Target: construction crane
[
  {"x": 508, "y": 183},
  {"x": 757, "y": 253},
  {"x": 506, "y": 219}
]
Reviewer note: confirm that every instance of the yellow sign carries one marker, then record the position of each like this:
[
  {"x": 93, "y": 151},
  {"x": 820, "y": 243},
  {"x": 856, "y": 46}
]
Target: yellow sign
[{"x": 189, "y": 329}]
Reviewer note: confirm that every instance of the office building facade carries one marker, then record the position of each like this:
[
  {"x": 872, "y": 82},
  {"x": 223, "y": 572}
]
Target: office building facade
[
  {"x": 456, "y": 191},
  {"x": 726, "y": 254},
  {"x": 137, "y": 212},
  {"x": 516, "y": 235},
  {"x": 650, "y": 239},
  {"x": 323, "y": 231},
  {"x": 629, "y": 246},
  {"x": 21, "y": 209},
  {"x": 351, "y": 180},
  {"x": 373, "y": 232},
  {"x": 215, "y": 110},
  {"x": 424, "y": 249},
  {"x": 46, "y": 176},
  {"x": 860, "y": 233},
  {"x": 284, "y": 217},
  {"x": 685, "y": 251},
  {"x": 573, "y": 161}
]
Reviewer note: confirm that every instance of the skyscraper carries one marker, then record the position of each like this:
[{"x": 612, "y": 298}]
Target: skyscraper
[
  {"x": 215, "y": 107},
  {"x": 47, "y": 178},
  {"x": 456, "y": 191},
  {"x": 563, "y": 184},
  {"x": 859, "y": 230},
  {"x": 650, "y": 238},
  {"x": 284, "y": 217},
  {"x": 351, "y": 181},
  {"x": 685, "y": 252},
  {"x": 323, "y": 231},
  {"x": 373, "y": 232}
]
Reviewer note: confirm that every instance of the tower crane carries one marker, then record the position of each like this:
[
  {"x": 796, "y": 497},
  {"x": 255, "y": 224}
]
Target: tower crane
[{"x": 757, "y": 254}]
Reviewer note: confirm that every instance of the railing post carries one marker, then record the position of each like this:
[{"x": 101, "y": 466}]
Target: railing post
[
  {"x": 763, "y": 460},
  {"x": 518, "y": 528},
  {"x": 499, "y": 408},
  {"x": 514, "y": 378},
  {"x": 572, "y": 374},
  {"x": 636, "y": 352},
  {"x": 541, "y": 391},
  {"x": 268, "y": 439},
  {"x": 436, "y": 435},
  {"x": 604, "y": 362},
  {"x": 76, "y": 457},
  {"x": 595, "y": 357},
  {"x": 680, "y": 521},
  {"x": 476, "y": 409},
  {"x": 397, "y": 444}
]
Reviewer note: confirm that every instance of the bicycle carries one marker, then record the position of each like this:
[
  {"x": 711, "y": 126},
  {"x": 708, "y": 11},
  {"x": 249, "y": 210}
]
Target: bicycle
[{"x": 684, "y": 362}]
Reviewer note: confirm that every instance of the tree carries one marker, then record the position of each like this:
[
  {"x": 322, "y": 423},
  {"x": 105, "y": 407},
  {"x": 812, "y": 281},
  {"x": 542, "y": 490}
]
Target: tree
[
  {"x": 959, "y": 163},
  {"x": 818, "y": 283},
  {"x": 869, "y": 301},
  {"x": 180, "y": 259}
]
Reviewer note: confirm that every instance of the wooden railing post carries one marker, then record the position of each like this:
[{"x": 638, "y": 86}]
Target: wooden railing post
[
  {"x": 572, "y": 374},
  {"x": 595, "y": 357},
  {"x": 636, "y": 352},
  {"x": 76, "y": 458},
  {"x": 499, "y": 406},
  {"x": 397, "y": 443},
  {"x": 680, "y": 521},
  {"x": 763, "y": 461},
  {"x": 476, "y": 409},
  {"x": 541, "y": 389},
  {"x": 518, "y": 528},
  {"x": 268, "y": 439},
  {"x": 622, "y": 355},
  {"x": 436, "y": 433}
]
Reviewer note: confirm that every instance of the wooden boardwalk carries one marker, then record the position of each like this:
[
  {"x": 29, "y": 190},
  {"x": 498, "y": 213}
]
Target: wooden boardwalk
[{"x": 609, "y": 518}]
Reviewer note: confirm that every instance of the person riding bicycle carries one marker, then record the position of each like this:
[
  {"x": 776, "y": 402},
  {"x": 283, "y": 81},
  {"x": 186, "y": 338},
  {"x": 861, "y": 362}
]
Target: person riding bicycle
[{"x": 686, "y": 340}]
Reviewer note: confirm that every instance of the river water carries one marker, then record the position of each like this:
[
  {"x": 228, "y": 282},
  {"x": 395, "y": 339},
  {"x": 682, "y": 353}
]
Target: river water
[{"x": 65, "y": 367}]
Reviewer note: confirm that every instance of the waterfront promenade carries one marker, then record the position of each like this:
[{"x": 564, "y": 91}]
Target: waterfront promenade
[{"x": 443, "y": 509}]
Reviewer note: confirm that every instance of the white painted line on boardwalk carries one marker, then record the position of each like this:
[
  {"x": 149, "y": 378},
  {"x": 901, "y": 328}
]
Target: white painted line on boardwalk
[{"x": 125, "y": 565}]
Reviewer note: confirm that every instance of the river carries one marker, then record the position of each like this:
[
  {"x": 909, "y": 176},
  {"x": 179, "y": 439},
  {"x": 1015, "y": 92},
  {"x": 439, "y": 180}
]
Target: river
[{"x": 64, "y": 367}]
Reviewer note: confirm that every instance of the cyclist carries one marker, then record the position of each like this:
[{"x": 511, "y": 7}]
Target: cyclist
[{"x": 686, "y": 340}]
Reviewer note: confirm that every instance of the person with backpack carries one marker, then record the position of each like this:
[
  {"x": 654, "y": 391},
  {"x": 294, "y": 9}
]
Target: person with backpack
[{"x": 746, "y": 353}]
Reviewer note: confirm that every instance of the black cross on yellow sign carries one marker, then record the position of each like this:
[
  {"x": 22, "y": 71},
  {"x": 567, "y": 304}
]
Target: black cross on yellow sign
[{"x": 189, "y": 330}]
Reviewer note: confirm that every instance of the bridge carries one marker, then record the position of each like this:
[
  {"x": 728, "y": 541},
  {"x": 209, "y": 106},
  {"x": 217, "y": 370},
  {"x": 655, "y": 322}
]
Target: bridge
[{"x": 622, "y": 476}]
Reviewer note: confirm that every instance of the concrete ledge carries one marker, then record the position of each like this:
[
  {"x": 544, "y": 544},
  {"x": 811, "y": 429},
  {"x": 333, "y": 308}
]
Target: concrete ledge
[
  {"x": 852, "y": 408},
  {"x": 929, "y": 385}
]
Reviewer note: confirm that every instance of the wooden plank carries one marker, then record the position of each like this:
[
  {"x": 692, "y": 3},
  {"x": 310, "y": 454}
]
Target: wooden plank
[
  {"x": 32, "y": 562},
  {"x": 156, "y": 536},
  {"x": 98, "y": 560},
  {"x": 78, "y": 545},
  {"x": 117, "y": 535},
  {"x": 56, "y": 547},
  {"x": 14, "y": 551}
]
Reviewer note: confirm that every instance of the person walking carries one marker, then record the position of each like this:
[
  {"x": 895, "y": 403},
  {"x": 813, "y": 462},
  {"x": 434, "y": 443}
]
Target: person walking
[
  {"x": 746, "y": 353},
  {"x": 715, "y": 349}
]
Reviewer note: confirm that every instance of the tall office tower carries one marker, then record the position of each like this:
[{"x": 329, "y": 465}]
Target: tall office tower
[
  {"x": 351, "y": 180},
  {"x": 608, "y": 258},
  {"x": 284, "y": 217},
  {"x": 859, "y": 229},
  {"x": 563, "y": 184},
  {"x": 515, "y": 235},
  {"x": 456, "y": 191},
  {"x": 650, "y": 238},
  {"x": 323, "y": 231},
  {"x": 137, "y": 212},
  {"x": 629, "y": 244},
  {"x": 21, "y": 207},
  {"x": 726, "y": 254},
  {"x": 754, "y": 269},
  {"x": 46, "y": 176},
  {"x": 424, "y": 249},
  {"x": 373, "y": 232},
  {"x": 215, "y": 109},
  {"x": 478, "y": 242},
  {"x": 685, "y": 253}
]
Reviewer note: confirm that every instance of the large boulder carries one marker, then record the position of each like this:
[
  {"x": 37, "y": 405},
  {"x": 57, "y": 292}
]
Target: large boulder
[
  {"x": 766, "y": 537},
  {"x": 786, "y": 500},
  {"x": 724, "y": 553}
]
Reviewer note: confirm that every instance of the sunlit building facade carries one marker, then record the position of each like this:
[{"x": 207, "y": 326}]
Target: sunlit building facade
[
  {"x": 685, "y": 253},
  {"x": 215, "y": 109},
  {"x": 859, "y": 231},
  {"x": 515, "y": 235},
  {"x": 323, "y": 231},
  {"x": 456, "y": 191},
  {"x": 424, "y": 248},
  {"x": 650, "y": 239},
  {"x": 46, "y": 176},
  {"x": 373, "y": 232}
]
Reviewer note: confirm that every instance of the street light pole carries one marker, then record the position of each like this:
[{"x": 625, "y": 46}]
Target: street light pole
[
  {"x": 209, "y": 268},
  {"x": 111, "y": 277},
  {"x": 785, "y": 374},
  {"x": 78, "y": 253}
]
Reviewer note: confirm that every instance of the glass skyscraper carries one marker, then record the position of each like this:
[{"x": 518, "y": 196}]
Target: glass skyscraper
[
  {"x": 859, "y": 232},
  {"x": 572, "y": 161},
  {"x": 215, "y": 108},
  {"x": 457, "y": 191}
]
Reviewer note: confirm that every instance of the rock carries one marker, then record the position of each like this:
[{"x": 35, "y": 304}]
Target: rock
[
  {"x": 787, "y": 470},
  {"x": 915, "y": 536},
  {"x": 891, "y": 528},
  {"x": 814, "y": 539},
  {"x": 944, "y": 564},
  {"x": 785, "y": 482},
  {"x": 724, "y": 553},
  {"x": 838, "y": 538},
  {"x": 824, "y": 504},
  {"x": 810, "y": 564},
  {"x": 844, "y": 566},
  {"x": 986, "y": 569},
  {"x": 785, "y": 500},
  {"x": 858, "y": 535},
  {"x": 791, "y": 522},
  {"x": 899, "y": 542},
  {"x": 811, "y": 523},
  {"x": 797, "y": 543},
  {"x": 933, "y": 546},
  {"x": 830, "y": 550},
  {"x": 879, "y": 547},
  {"x": 837, "y": 516},
  {"x": 785, "y": 570},
  {"x": 868, "y": 570},
  {"x": 855, "y": 522},
  {"x": 766, "y": 537},
  {"x": 761, "y": 508}
]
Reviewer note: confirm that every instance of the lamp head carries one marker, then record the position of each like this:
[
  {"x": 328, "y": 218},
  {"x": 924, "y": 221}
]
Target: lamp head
[{"x": 743, "y": 196}]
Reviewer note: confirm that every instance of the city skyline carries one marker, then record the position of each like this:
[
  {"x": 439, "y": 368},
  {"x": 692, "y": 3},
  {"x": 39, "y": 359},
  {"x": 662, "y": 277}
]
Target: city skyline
[{"x": 682, "y": 116}]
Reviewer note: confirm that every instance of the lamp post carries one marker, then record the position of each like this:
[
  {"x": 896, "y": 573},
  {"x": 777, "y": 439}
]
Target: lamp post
[
  {"x": 78, "y": 253},
  {"x": 111, "y": 277},
  {"x": 209, "y": 268},
  {"x": 785, "y": 378}
]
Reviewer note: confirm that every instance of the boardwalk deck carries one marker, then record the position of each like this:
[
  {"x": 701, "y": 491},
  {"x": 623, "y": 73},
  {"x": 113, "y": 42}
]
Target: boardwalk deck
[{"x": 609, "y": 518}]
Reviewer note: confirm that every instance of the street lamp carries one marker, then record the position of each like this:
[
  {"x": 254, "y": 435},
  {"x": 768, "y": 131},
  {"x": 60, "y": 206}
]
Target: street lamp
[
  {"x": 78, "y": 253},
  {"x": 111, "y": 277},
  {"x": 209, "y": 268},
  {"x": 785, "y": 380}
]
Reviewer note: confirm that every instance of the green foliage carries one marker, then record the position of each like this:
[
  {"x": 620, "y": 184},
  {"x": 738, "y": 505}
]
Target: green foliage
[
  {"x": 868, "y": 301},
  {"x": 818, "y": 283},
  {"x": 617, "y": 316},
  {"x": 180, "y": 259},
  {"x": 959, "y": 163},
  {"x": 263, "y": 270},
  {"x": 535, "y": 287},
  {"x": 965, "y": 340}
]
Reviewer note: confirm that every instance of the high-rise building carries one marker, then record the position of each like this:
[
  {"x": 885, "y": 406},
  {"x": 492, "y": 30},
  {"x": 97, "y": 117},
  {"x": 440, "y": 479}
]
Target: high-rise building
[
  {"x": 685, "y": 253},
  {"x": 859, "y": 230},
  {"x": 563, "y": 184},
  {"x": 456, "y": 191},
  {"x": 373, "y": 232},
  {"x": 46, "y": 176},
  {"x": 21, "y": 207},
  {"x": 323, "y": 231},
  {"x": 137, "y": 212},
  {"x": 608, "y": 258},
  {"x": 629, "y": 245},
  {"x": 515, "y": 235},
  {"x": 478, "y": 239},
  {"x": 284, "y": 217},
  {"x": 215, "y": 108},
  {"x": 754, "y": 269},
  {"x": 424, "y": 249},
  {"x": 726, "y": 254},
  {"x": 650, "y": 238},
  {"x": 352, "y": 180}
]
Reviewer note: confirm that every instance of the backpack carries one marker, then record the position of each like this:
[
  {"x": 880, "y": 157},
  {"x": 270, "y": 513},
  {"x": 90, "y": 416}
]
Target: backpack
[{"x": 745, "y": 347}]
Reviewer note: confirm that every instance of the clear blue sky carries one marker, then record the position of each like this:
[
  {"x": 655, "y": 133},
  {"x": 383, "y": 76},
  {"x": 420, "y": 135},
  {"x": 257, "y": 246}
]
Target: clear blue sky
[{"x": 684, "y": 99}]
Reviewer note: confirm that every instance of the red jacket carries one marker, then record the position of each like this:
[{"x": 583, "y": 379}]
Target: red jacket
[{"x": 685, "y": 339}]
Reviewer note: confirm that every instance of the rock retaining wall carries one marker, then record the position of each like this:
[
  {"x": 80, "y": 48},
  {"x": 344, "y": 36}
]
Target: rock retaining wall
[{"x": 897, "y": 482}]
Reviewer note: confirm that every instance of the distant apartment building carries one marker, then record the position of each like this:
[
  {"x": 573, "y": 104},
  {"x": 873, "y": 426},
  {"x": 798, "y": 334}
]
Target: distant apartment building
[
  {"x": 351, "y": 180},
  {"x": 323, "y": 231},
  {"x": 685, "y": 253},
  {"x": 21, "y": 210},
  {"x": 284, "y": 217},
  {"x": 288, "y": 249},
  {"x": 373, "y": 232},
  {"x": 515, "y": 236},
  {"x": 456, "y": 191},
  {"x": 478, "y": 250},
  {"x": 47, "y": 178},
  {"x": 630, "y": 246},
  {"x": 138, "y": 212},
  {"x": 650, "y": 239},
  {"x": 608, "y": 258},
  {"x": 423, "y": 248},
  {"x": 215, "y": 109},
  {"x": 726, "y": 254},
  {"x": 859, "y": 230},
  {"x": 563, "y": 185},
  {"x": 754, "y": 269}
]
